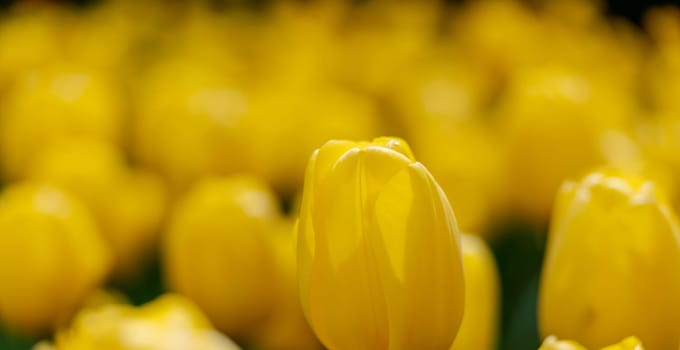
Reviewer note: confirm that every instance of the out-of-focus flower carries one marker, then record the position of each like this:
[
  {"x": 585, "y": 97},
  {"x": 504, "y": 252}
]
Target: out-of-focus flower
[
  {"x": 285, "y": 128},
  {"x": 379, "y": 263},
  {"x": 52, "y": 256},
  {"x": 287, "y": 328},
  {"x": 168, "y": 323},
  {"x": 218, "y": 251},
  {"x": 33, "y": 33},
  {"x": 503, "y": 34},
  {"x": 54, "y": 104},
  {"x": 189, "y": 121},
  {"x": 466, "y": 159},
  {"x": 613, "y": 242},
  {"x": 552, "y": 343},
  {"x": 555, "y": 124},
  {"x": 384, "y": 40},
  {"x": 480, "y": 321},
  {"x": 128, "y": 204}
]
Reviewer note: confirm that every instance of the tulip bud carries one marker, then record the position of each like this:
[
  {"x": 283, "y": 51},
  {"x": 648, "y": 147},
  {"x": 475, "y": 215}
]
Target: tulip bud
[
  {"x": 127, "y": 204},
  {"x": 168, "y": 323},
  {"x": 52, "y": 256},
  {"x": 480, "y": 322},
  {"x": 379, "y": 263},
  {"x": 552, "y": 343},
  {"x": 613, "y": 264},
  {"x": 218, "y": 251}
]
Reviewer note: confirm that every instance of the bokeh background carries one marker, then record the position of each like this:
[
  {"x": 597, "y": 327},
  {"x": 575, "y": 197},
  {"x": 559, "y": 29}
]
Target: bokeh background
[{"x": 131, "y": 103}]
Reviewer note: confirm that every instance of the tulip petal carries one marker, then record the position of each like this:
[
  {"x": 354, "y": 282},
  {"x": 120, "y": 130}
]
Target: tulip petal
[{"x": 421, "y": 261}]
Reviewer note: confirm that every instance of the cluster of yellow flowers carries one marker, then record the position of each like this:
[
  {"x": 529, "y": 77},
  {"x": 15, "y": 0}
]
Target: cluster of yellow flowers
[{"x": 132, "y": 128}]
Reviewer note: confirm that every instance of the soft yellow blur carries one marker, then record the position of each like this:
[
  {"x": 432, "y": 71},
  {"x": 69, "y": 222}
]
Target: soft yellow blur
[
  {"x": 613, "y": 242},
  {"x": 168, "y": 323},
  {"x": 379, "y": 261},
  {"x": 286, "y": 128},
  {"x": 189, "y": 121},
  {"x": 56, "y": 103},
  {"x": 52, "y": 256},
  {"x": 555, "y": 127},
  {"x": 479, "y": 329},
  {"x": 127, "y": 203},
  {"x": 218, "y": 251},
  {"x": 287, "y": 327},
  {"x": 552, "y": 343}
]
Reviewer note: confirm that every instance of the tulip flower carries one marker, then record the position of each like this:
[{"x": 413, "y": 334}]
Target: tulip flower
[
  {"x": 218, "y": 251},
  {"x": 52, "y": 256},
  {"x": 379, "y": 261},
  {"x": 167, "y": 323},
  {"x": 613, "y": 264},
  {"x": 50, "y": 105},
  {"x": 480, "y": 321},
  {"x": 552, "y": 343},
  {"x": 127, "y": 203}
]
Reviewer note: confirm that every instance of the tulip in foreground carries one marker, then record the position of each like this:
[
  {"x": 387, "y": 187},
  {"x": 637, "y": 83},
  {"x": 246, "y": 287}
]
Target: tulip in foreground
[
  {"x": 379, "y": 261},
  {"x": 613, "y": 264}
]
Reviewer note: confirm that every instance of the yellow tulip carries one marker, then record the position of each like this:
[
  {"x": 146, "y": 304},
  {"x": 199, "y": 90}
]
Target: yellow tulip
[
  {"x": 218, "y": 251},
  {"x": 552, "y": 343},
  {"x": 54, "y": 104},
  {"x": 555, "y": 126},
  {"x": 128, "y": 204},
  {"x": 480, "y": 321},
  {"x": 52, "y": 256},
  {"x": 379, "y": 263},
  {"x": 167, "y": 323},
  {"x": 613, "y": 264},
  {"x": 189, "y": 120}
]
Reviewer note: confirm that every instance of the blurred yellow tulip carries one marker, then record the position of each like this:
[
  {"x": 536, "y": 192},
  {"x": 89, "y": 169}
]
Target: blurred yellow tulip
[
  {"x": 466, "y": 159},
  {"x": 218, "y": 251},
  {"x": 309, "y": 116},
  {"x": 379, "y": 261},
  {"x": 612, "y": 265},
  {"x": 128, "y": 204},
  {"x": 52, "y": 257},
  {"x": 54, "y": 104},
  {"x": 189, "y": 120},
  {"x": 479, "y": 329},
  {"x": 552, "y": 343},
  {"x": 167, "y": 323},
  {"x": 287, "y": 328},
  {"x": 555, "y": 124}
]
